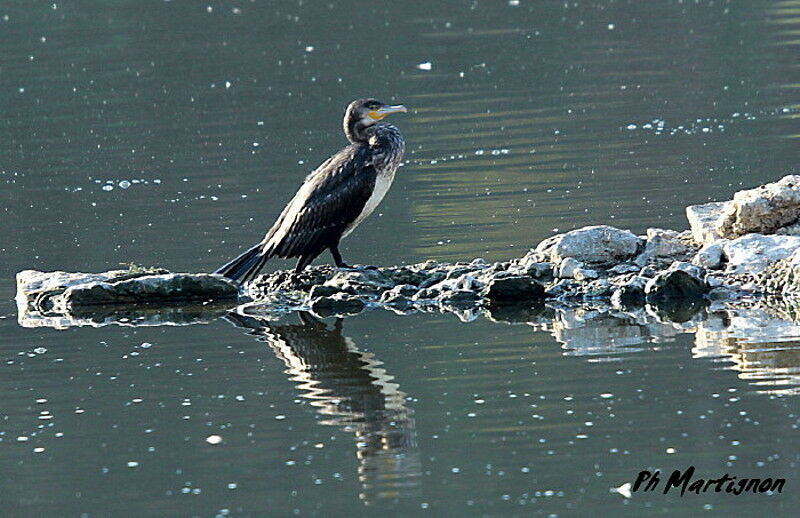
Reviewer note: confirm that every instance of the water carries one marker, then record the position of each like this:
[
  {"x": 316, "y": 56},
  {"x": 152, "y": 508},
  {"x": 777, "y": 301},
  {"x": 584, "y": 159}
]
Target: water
[{"x": 172, "y": 133}]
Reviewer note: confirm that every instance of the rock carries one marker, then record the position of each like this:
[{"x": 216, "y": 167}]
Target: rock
[
  {"x": 753, "y": 253},
  {"x": 469, "y": 282},
  {"x": 623, "y": 269},
  {"x": 338, "y": 303},
  {"x": 433, "y": 278},
  {"x": 406, "y": 290},
  {"x": 568, "y": 267},
  {"x": 648, "y": 271},
  {"x": 597, "y": 245},
  {"x": 560, "y": 288},
  {"x": 513, "y": 289},
  {"x": 710, "y": 256},
  {"x": 322, "y": 291},
  {"x": 356, "y": 282},
  {"x": 681, "y": 281},
  {"x": 713, "y": 281},
  {"x": 288, "y": 281},
  {"x": 406, "y": 275},
  {"x": 540, "y": 271},
  {"x": 703, "y": 220},
  {"x": 598, "y": 289},
  {"x": 762, "y": 210},
  {"x": 662, "y": 245},
  {"x": 782, "y": 277},
  {"x": 63, "y": 291},
  {"x": 630, "y": 294},
  {"x": 585, "y": 274}
]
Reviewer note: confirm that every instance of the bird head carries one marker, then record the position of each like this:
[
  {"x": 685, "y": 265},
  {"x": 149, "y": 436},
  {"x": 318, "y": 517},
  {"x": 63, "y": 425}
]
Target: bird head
[{"x": 363, "y": 113}]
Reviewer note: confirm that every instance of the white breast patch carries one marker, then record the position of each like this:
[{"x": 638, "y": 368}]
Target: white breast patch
[{"x": 382, "y": 184}]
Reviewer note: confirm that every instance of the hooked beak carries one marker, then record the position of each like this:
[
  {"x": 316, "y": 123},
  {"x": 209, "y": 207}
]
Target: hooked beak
[{"x": 384, "y": 111}]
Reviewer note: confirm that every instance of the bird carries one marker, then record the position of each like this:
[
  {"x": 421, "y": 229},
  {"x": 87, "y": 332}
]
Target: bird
[{"x": 334, "y": 198}]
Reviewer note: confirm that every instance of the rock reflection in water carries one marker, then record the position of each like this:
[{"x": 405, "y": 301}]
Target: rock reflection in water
[
  {"x": 761, "y": 343},
  {"x": 350, "y": 390},
  {"x": 763, "y": 346}
]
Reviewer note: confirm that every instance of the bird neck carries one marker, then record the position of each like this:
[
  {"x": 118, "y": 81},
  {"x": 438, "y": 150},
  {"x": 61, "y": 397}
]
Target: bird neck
[{"x": 357, "y": 132}]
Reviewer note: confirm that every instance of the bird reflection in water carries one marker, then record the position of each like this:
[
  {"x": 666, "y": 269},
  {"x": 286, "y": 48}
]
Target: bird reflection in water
[{"x": 350, "y": 390}]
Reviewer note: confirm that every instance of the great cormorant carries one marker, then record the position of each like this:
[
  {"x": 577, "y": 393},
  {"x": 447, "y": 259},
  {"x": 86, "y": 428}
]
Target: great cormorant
[{"x": 336, "y": 197}]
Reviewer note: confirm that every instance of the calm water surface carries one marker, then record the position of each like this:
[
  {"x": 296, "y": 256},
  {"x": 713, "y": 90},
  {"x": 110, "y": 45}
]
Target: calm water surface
[{"x": 172, "y": 133}]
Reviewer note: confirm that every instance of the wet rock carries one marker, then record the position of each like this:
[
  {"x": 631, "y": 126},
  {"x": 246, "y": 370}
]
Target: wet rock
[
  {"x": 432, "y": 278},
  {"x": 542, "y": 272},
  {"x": 62, "y": 291},
  {"x": 560, "y": 288},
  {"x": 338, "y": 303},
  {"x": 710, "y": 256},
  {"x": 762, "y": 210},
  {"x": 407, "y": 275},
  {"x": 585, "y": 274},
  {"x": 426, "y": 294},
  {"x": 723, "y": 293},
  {"x": 513, "y": 289},
  {"x": 663, "y": 246},
  {"x": 322, "y": 291},
  {"x": 703, "y": 220},
  {"x": 753, "y": 253},
  {"x": 713, "y": 281},
  {"x": 623, "y": 269},
  {"x": 406, "y": 290},
  {"x": 568, "y": 267},
  {"x": 289, "y": 281},
  {"x": 598, "y": 289},
  {"x": 365, "y": 281},
  {"x": 648, "y": 271},
  {"x": 630, "y": 294},
  {"x": 782, "y": 277},
  {"x": 681, "y": 281},
  {"x": 596, "y": 245},
  {"x": 172, "y": 287}
]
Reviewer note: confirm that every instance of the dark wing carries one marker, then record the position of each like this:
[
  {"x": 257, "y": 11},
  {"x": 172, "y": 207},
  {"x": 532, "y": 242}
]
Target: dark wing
[{"x": 331, "y": 198}]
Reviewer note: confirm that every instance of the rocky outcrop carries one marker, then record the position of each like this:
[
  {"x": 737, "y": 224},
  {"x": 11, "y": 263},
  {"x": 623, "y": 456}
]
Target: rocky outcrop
[
  {"x": 712, "y": 262},
  {"x": 66, "y": 295},
  {"x": 773, "y": 208},
  {"x": 763, "y": 210}
]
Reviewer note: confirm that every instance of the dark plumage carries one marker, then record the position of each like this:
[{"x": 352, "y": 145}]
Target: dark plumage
[{"x": 334, "y": 198}]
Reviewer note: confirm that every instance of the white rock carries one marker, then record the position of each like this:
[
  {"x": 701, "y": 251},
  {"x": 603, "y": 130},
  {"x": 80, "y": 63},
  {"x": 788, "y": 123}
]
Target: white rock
[
  {"x": 703, "y": 220},
  {"x": 602, "y": 245},
  {"x": 568, "y": 267},
  {"x": 763, "y": 210},
  {"x": 710, "y": 256},
  {"x": 585, "y": 274},
  {"x": 754, "y": 252}
]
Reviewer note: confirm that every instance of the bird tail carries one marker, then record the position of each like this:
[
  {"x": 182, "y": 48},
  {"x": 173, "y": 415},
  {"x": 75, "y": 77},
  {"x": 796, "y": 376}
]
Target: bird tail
[{"x": 246, "y": 266}]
